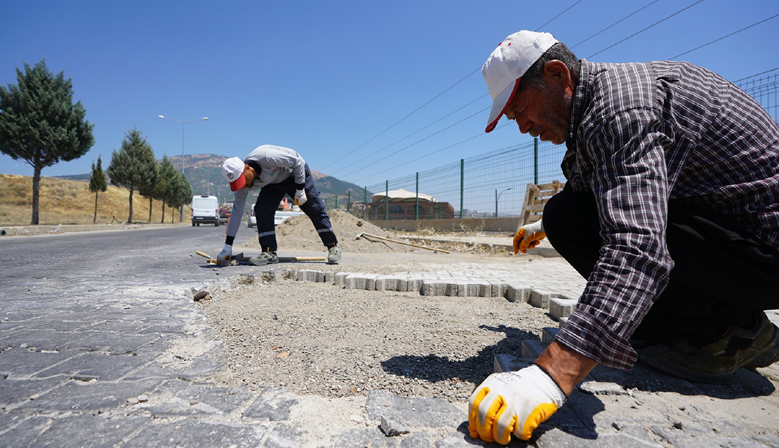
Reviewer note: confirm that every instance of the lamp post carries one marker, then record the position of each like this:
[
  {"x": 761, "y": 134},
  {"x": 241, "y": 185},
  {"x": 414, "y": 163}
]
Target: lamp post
[
  {"x": 497, "y": 196},
  {"x": 183, "y": 125}
]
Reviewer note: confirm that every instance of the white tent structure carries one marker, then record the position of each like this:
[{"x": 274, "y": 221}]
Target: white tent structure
[{"x": 402, "y": 194}]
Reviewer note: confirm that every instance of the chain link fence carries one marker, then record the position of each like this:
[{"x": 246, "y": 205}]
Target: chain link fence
[{"x": 491, "y": 184}]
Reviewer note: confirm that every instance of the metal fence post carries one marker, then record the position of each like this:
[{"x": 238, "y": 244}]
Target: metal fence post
[
  {"x": 348, "y": 201},
  {"x": 416, "y": 204},
  {"x": 386, "y": 201},
  {"x": 462, "y": 186},
  {"x": 535, "y": 160}
]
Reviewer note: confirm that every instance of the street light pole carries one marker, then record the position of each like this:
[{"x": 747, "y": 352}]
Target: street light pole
[
  {"x": 183, "y": 124},
  {"x": 497, "y": 196}
]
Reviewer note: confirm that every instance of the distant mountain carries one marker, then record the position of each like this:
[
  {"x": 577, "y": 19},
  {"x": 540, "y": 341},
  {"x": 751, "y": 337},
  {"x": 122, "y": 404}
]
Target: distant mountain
[{"x": 205, "y": 175}]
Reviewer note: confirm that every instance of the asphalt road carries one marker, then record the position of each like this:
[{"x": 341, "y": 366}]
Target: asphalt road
[{"x": 69, "y": 261}]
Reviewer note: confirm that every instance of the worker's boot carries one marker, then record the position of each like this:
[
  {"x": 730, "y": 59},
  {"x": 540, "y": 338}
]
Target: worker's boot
[
  {"x": 717, "y": 361},
  {"x": 263, "y": 259},
  {"x": 333, "y": 255}
]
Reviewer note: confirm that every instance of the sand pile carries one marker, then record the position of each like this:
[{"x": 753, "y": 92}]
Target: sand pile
[{"x": 298, "y": 233}]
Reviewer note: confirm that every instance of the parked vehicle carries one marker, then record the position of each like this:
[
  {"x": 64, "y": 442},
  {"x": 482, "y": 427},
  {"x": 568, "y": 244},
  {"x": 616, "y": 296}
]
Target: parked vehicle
[
  {"x": 281, "y": 216},
  {"x": 205, "y": 210}
]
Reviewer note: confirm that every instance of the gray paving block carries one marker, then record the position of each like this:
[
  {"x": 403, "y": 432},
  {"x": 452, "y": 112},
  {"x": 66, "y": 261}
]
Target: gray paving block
[
  {"x": 387, "y": 283},
  {"x": 362, "y": 281},
  {"x": 14, "y": 393},
  {"x": 415, "y": 284},
  {"x": 413, "y": 412},
  {"x": 540, "y": 298},
  {"x": 504, "y": 362},
  {"x": 556, "y": 438},
  {"x": 198, "y": 400},
  {"x": 307, "y": 275},
  {"x": 87, "y": 396},
  {"x": 339, "y": 279},
  {"x": 20, "y": 363},
  {"x": 562, "y": 307},
  {"x": 434, "y": 288},
  {"x": 498, "y": 289},
  {"x": 461, "y": 440},
  {"x": 20, "y": 430},
  {"x": 350, "y": 438},
  {"x": 77, "y": 431},
  {"x": 517, "y": 292},
  {"x": 563, "y": 321},
  {"x": 274, "y": 404},
  {"x": 532, "y": 348},
  {"x": 98, "y": 365},
  {"x": 198, "y": 433}
]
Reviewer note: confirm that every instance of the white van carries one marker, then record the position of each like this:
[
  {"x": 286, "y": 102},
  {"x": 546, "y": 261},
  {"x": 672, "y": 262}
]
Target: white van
[{"x": 205, "y": 210}]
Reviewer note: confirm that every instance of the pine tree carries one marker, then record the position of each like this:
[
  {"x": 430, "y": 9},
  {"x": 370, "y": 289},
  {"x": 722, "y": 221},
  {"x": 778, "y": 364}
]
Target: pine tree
[
  {"x": 166, "y": 175},
  {"x": 134, "y": 166},
  {"x": 180, "y": 192},
  {"x": 97, "y": 183},
  {"x": 40, "y": 124}
]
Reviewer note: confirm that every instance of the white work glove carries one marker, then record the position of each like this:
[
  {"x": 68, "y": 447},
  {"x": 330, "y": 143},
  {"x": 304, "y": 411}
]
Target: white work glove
[
  {"x": 224, "y": 257},
  {"x": 529, "y": 236},
  {"x": 512, "y": 403},
  {"x": 300, "y": 197}
]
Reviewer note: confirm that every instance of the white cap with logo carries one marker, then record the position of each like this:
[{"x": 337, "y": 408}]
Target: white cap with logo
[
  {"x": 232, "y": 170},
  {"x": 506, "y": 65}
]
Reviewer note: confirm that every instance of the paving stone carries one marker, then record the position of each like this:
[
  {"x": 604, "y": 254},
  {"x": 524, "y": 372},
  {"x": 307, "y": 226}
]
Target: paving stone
[
  {"x": 464, "y": 440},
  {"x": 307, "y": 275},
  {"x": 350, "y": 438},
  {"x": 14, "y": 393},
  {"x": 416, "y": 440},
  {"x": 391, "y": 428},
  {"x": 413, "y": 412},
  {"x": 184, "y": 433},
  {"x": 504, "y": 362},
  {"x": 274, "y": 403},
  {"x": 87, "y": 430},
  {"x": 112, "y": 343},
  {"x": 199, "y": 400},
  {"x": 20, "y": 430},
  {"x": 98, "y": 365},
  {"x": 340, "y": 279},
  {"x": 89, "y": 396},
  {"x": 415, "y": 284},
  {"x": 434, "y": 288},
  {"x": 361, "y": 281},
  {"x": 388, "y": 283},
  {"x": 556, "y": 438},
  {"x": 498, "y": 289},
  {"x": 562, "y": 307},
  {"x": 532, "y": 348},
  {"x": 19, "y": 363},
  {"x": 517, "y": 292},
  {"x": 540, "y": 297}
]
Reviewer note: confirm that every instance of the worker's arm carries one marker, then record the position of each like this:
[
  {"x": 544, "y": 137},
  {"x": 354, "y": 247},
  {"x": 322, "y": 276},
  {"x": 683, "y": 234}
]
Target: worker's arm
[{"x": 233, "y": 224}]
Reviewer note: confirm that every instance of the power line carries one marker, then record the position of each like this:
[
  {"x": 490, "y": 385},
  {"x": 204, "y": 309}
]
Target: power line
[
  {"x": 650, "y": 26},
  {"x": 617, "y": 22},
  {"x": 558, "y": 15},
  {"x": 413, "y": 133},
  {"x": 425, "y": 138},
  {"x": 399, "y": 121},
  {"x": 726, "y": 36},
  {"x": 756, "y": 74}
]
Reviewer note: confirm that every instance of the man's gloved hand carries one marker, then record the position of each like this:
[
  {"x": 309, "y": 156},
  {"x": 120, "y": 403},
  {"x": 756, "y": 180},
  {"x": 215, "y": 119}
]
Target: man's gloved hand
[
  {"x": 224, "y": 257},
  {"x": 529, "y": 236},
  {"x": 512, "y": 402},
  {"x": 300, "y": 197}
]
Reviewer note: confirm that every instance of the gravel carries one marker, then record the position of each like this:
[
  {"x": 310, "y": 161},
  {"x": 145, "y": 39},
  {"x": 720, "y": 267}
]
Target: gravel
[{"x": 315, "y": 338}]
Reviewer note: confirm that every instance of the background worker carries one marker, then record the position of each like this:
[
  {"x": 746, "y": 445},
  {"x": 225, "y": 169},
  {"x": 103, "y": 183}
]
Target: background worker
[
  {"x": 277, "y": 171},
  {"x": 671, "y": 213}
]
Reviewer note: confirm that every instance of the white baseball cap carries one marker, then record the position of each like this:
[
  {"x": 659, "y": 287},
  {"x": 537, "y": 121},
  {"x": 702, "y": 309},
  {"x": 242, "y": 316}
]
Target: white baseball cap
[
  {"x": 506, "y": 65},
  {"x": 232, "y": 170}
]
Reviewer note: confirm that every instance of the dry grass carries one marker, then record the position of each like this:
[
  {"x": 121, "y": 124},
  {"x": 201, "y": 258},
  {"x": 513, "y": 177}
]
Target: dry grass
[{"x": 70, "y": 202}]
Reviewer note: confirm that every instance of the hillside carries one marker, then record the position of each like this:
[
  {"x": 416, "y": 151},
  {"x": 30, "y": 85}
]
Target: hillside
[
  {"x": 65, "y": 201},
  {"x": 205, "y": 176}
]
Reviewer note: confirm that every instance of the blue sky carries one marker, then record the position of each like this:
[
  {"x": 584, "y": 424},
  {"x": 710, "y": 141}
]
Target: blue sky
[{"x": 335, "y": 80}]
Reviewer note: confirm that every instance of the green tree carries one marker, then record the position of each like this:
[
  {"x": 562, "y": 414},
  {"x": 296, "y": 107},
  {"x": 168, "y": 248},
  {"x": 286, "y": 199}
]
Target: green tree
[
  {"x": 147, "y": 189},
  {"x": 97, "y": 182},
  {"x": 180, "y": 192},
  {"x": 133, "y": 167},
  {"x": 166, "y": 174},
  {"x": 40, "y": 124}
]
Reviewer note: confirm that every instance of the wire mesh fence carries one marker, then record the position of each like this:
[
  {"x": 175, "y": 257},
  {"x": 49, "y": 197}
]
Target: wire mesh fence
[{"x": 491, "y": 184}]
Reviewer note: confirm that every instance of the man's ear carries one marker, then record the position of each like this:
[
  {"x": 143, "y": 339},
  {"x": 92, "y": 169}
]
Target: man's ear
[{"x": 557, "y": 72}]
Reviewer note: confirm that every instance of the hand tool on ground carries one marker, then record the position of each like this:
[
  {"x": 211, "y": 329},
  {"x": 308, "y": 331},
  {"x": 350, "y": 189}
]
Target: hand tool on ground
[
  {"x": 369, "y": 236},
  {"x": 242, "y": 259}
]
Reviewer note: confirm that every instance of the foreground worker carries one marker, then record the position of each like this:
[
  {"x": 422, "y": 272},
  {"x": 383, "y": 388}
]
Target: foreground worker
[
  {"x": 278, "y": 171},
  {"x": 671, "y": 213}
]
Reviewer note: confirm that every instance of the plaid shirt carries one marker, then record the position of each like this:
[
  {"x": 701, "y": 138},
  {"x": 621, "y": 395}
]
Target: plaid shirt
[{"x": 642, "y": 134}]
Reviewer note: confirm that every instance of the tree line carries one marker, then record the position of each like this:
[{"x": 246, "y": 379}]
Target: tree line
[{"x": 40, "y": 124}]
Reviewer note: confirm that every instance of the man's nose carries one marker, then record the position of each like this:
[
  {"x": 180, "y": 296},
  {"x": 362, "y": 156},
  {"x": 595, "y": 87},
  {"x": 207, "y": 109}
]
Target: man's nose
[{"x": 523, "y": 124}]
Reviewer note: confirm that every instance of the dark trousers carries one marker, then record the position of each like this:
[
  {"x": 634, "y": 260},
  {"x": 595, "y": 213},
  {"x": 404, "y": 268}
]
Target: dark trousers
[
  {"x": 721, "y": 275},
  {"x": 269, "y": 199}
]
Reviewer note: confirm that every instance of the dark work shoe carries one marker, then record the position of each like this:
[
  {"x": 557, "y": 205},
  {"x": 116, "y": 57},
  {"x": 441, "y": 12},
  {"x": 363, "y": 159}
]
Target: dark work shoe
[
  {"x": 717, "y": 361},
  {"x": 263, "y": 259}
]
